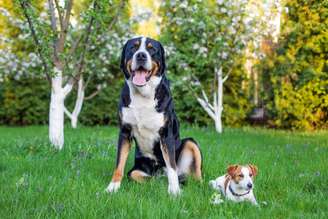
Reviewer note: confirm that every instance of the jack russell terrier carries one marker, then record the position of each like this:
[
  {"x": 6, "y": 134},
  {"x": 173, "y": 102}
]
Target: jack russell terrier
[{"x": 237, "y": 185}]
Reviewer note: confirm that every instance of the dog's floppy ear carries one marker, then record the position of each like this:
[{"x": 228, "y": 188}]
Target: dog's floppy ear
[
  {"x": 123, "y": 65},
  {"x": 253, "y": 169},
  {"x": 163, "y": 64},
  {"x": 231, "y": 169}
]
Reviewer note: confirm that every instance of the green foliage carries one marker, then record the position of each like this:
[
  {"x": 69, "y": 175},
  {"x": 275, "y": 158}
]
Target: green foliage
[
  {"x": 24, "y": 101},
  {"x": 298, "y": 68}
]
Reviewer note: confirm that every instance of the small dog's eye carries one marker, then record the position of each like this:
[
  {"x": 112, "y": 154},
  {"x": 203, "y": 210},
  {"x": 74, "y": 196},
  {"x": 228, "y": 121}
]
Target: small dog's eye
[
  {"x": 250, "y": 175},
  {"x": 241, "y": 175},
  {"x": 149, "y": 45}
]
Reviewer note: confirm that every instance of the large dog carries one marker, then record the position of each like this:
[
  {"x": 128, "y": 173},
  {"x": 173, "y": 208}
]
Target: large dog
[{"x": 147, "y": 116}]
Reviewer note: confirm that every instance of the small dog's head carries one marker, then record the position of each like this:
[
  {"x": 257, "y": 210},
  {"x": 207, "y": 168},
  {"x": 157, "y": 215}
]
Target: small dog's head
[
  {"x": 142, "y": 58},
  {"x": 242, "y": 176}
]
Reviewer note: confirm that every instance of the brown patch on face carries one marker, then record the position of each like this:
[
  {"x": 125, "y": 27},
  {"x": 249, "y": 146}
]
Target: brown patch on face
[
  {"x": 128, "y": 66},
  {"x": 149, "y": 45},
  {"x": 234, "y": 171},
  {"x": 194, "y": 150},
  {"x": 155, "y": 68},
  {"x": 137, "y": 44},
  {"x": 123, "y": 155},
  {"x": 138, "y": 176},
  {"x": 252, "y": 169}
]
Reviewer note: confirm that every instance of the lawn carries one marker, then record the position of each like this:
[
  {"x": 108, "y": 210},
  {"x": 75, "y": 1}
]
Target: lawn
[{"x": 38, "y": 182}]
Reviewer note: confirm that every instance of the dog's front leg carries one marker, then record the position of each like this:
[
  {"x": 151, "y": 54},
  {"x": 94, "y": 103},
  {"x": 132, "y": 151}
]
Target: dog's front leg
[
  {"x": 124, "y": 146},
  {"x": 253, "y": 199},
  {"x": 168, "y": 152}
]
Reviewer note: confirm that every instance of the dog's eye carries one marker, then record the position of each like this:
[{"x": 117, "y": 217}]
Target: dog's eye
[
  {"x": 241, "y": 175},
  {"x": 250, "y": 175}
]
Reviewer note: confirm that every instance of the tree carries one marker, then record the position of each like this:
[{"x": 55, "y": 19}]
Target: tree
[
  {"x": 297, "y": 67},
  {"x": 210, "y": 38},
  {"x": 63, "y": 52}
]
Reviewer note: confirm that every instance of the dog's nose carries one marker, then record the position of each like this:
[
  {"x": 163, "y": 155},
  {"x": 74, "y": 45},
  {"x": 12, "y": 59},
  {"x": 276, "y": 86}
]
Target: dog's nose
[
  {"x": 141, "y": 57},
  {"x": 249, "y": 185}
]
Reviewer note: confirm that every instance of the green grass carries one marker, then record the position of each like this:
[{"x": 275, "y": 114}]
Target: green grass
[{"x": 36, "y": 181}]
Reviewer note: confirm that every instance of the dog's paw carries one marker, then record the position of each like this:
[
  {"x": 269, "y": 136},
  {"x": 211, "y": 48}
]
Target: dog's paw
[
  {"x": 213, "y": 184},
  {"x": 174, "y": 189},
  {"x": 113, "y": 187}
]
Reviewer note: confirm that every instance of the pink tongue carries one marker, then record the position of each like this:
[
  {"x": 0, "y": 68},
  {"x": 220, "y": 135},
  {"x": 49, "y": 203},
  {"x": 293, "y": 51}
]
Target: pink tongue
[{"x": 139, "y": 78}]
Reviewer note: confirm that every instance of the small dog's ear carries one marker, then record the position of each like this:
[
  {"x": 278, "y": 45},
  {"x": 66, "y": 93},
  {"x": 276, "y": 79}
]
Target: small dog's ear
[
  {"x": 253, "y": 169},
  {"x": 231, "y": 169}
]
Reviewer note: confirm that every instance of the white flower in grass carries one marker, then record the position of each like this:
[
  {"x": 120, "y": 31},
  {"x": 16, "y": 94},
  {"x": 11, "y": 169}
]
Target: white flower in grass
[
  {"x": 220, "y": 2},
  {"x": 216, "y": 199}
]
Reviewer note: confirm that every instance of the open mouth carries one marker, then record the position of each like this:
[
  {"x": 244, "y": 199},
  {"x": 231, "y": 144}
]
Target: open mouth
[{"x": 140, "y": 76}]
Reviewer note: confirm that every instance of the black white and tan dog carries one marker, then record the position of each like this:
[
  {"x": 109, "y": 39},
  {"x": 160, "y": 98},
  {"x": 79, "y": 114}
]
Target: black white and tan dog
[{"x": 147, "y": 117}]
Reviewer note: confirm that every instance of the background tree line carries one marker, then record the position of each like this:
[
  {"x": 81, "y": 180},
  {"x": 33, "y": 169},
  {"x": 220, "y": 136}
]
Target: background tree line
[{"x": 292, "y": 73}]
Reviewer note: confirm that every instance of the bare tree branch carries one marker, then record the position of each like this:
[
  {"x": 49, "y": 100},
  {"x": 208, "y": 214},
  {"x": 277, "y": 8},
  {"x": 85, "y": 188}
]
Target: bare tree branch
[
  {"x": 24, "y": 5},
  {"x": 227, "y": 75},
  {"x": 63, "y": 32},
  {"x": 206, "y": 108},
  {"x": 60, "y": 17},
  {"x": 53, "y": 27},
  {"x": 99, "y": 88},
  {"x": 114, "y": 20},
  {"x": 67, "y": 112}
]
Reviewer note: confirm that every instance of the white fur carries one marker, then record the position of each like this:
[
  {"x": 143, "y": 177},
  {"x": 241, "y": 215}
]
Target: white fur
[
  {"x": 142, "y": 48},
  {"x": 113, "y": 187},
  {"x": 240, "y": 188},
  {"x": 185, "y": 162},
  {"x": 142, "y": 115},
  {"x": 174, "y": 188}
]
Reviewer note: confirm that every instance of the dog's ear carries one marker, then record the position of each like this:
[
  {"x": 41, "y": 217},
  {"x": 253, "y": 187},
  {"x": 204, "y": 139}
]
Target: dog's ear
[
  {"x": 123, "y": 64},
  {"x": 163, "y": 64},
  {"x": 253, "y": 169},
  {"x": 231, "y": 169}
]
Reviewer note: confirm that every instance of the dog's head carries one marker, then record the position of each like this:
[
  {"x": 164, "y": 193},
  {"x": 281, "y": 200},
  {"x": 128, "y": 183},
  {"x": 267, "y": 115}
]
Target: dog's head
[
  {"x": 142, "y": 58},
  {"x": 242, "y": 176}
]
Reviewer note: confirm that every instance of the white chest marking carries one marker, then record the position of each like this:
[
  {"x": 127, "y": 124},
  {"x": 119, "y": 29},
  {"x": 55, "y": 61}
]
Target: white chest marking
[{"x": 143, "y": 117}]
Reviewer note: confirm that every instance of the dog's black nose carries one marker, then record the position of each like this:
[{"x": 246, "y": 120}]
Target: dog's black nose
[
  {"x": 141, "y": 57},
  {"x": 249, "y": 185}
]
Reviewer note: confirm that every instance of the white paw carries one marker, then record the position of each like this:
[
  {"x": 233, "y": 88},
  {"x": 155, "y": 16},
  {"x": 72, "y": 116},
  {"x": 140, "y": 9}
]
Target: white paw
[
  {"x": 174, "y": 189},
  {"x": 113, "y": 187},
  {"x": 213, "y": 184}
]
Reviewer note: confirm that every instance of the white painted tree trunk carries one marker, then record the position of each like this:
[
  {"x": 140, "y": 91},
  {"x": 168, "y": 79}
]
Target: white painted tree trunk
[
  {"x": 57, "y": 108},
  {"x": 78, "y": 104},
  {"x": 215, "y": 110},
  {"x": 56, "y": 113},
  {"x": 218, "y": 121}
]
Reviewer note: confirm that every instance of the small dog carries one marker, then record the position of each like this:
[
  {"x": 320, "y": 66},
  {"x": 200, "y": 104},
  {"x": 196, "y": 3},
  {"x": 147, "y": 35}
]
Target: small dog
[{"x": 237, "y": 185}]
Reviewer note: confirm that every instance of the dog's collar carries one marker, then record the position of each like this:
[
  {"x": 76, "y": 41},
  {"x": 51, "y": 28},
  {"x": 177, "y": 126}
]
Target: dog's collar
[{"x": 236, "y": 194}]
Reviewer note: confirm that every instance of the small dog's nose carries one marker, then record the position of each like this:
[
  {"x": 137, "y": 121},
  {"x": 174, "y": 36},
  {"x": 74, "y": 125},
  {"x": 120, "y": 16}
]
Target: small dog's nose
[
  {"x": 249, "y": 185},
  {"x": 141, "y": 57}
]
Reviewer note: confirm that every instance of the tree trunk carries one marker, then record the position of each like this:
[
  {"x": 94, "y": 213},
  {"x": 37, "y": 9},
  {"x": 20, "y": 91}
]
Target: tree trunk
[
  {"x": 78, "y": 103},
  {"x": 219, "y": 107},
  {"x": 56, "y": 114}
]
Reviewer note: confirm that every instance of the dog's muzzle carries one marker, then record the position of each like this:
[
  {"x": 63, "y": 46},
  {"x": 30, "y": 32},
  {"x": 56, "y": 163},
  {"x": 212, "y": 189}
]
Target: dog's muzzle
[{"x": 140, "y": 75}]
